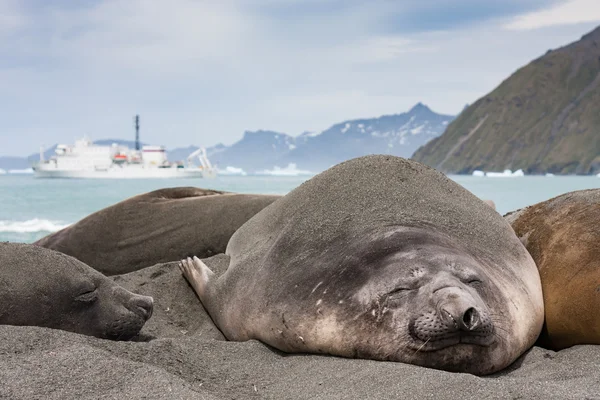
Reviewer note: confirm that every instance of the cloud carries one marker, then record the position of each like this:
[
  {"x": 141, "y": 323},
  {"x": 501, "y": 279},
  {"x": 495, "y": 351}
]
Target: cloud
[
  {"x": 10, "y": 17},
  {"x": 385, "y": 48},
  {"x": 565, "y": 13},
  {"x": 138, "y": 36}
]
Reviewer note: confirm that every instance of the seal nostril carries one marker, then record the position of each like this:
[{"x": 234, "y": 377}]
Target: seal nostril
[
  {"x": 470, "y": 318},
  {"x": 145, "y": 305}
]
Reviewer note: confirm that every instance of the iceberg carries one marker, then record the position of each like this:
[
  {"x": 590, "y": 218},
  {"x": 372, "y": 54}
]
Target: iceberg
[
  {"x": 2, "y": 172},
  {"x": 507, "y": 173},
  {"x": 290, "y": 170},
  {"x": 478, "y": 173},
  {"x": 232, "y": 171},
  {"x": 21, "y": 171}
]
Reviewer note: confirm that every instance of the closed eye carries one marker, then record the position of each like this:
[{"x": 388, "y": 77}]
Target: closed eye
[
  {"x": 399, "y": 291},
  {"x": 88, "y": 297}
]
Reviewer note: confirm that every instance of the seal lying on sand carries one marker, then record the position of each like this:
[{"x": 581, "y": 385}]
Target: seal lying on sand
[
  {"x": 41, "y": 287},
  {"x": 563, "y": 235},
  {"x": 384, "y": 258},
  {"x": 156, "y": 227}
]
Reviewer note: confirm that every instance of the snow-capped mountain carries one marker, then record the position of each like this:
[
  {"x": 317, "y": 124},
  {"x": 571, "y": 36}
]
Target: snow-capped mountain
[
  {"x": 399, "y": 134},
  {"x": 256, "y": 151}
]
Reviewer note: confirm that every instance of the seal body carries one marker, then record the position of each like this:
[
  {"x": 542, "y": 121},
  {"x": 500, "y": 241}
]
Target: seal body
[
  {"x": 383, "y": 258},
  {"x": 41, "y": 287},
  {"x": 563, "y": 235},
  {"x": 156, "y": 227}
]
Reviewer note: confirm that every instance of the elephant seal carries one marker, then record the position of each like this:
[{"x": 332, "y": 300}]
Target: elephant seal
[
  {"x": 156, "y": 227},
  {"x": 382, "y": 258},
  {"x": 562, "y": 236},
  {"x": 41, "y": 287}
]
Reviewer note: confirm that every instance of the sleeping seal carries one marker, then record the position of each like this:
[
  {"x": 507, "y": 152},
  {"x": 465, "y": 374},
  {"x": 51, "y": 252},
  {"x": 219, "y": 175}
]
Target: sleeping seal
[
  {"x": 562, "y": 236},
  {"x": 156, "y": 227},
  {"x": 41, "y": 287},
  {"x": 382, "y": 258}
]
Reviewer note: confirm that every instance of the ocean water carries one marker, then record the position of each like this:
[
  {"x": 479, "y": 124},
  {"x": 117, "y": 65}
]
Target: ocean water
[{"x": 32, "y": 208}]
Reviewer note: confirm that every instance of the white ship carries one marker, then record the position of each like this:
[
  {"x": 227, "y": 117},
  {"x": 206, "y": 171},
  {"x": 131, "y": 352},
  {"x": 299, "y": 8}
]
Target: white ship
[{"x": 86, "y": 160}]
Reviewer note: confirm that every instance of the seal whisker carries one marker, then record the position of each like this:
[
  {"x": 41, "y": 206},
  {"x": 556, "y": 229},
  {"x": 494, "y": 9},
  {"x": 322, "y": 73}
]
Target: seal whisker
[{"x": 423, "y": 345}]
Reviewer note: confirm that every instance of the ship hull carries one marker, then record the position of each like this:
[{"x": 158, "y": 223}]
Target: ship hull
[{"x": 121, "y": 173}]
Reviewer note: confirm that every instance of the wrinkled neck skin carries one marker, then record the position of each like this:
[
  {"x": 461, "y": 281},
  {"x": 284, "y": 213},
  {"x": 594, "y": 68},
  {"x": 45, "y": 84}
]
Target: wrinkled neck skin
[{"x": 411, "y": 295}]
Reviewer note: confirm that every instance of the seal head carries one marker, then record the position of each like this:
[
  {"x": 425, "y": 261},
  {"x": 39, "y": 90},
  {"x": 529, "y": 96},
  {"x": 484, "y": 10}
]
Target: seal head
[{"x": 42, "y": 287}]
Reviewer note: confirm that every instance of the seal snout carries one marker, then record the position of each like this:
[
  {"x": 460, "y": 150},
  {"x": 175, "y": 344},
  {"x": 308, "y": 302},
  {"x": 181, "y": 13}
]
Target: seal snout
[
  {"x": 458, "y": 318},
  {"x": 463, "y": 318},
  {"x": 142, "y": 305},
  {"x": 461, "y": 313}
]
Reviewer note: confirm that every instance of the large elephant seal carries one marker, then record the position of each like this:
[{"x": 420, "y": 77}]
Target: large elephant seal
[
  {"x": 383, "y": 258},
  {"x": 563, "y": 235},
  {"x": 156, "y": 227},
  {"x": 41, "y": 287}
]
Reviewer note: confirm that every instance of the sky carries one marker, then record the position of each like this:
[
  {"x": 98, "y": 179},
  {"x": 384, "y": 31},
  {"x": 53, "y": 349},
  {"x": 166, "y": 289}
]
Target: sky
[{"x": 202, "y": 72}]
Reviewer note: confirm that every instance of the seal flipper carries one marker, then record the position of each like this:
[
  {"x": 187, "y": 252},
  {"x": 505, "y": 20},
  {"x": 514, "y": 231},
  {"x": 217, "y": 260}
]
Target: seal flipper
[{"x": 198, "y": 275}]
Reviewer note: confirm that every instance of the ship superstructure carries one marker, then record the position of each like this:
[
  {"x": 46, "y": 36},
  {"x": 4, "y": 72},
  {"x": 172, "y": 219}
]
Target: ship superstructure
[{"x": 85, "y": 159}]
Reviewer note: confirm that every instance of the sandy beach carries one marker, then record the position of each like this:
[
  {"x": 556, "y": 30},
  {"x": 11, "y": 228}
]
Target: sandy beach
[{"x": 180, "y": 354}]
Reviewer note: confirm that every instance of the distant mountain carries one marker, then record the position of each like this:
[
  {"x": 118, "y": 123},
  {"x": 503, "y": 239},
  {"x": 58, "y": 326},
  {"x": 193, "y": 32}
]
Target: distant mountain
[
  {"x": 7, "y": 163},
  {"x": 255, "y": 151},
  {"x": 399, "y": 134},
  {"x": 545, "y": 118}
]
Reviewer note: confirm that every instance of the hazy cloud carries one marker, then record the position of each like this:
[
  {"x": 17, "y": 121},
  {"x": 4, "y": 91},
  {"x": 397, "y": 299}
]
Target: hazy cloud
[
  {"x": 565, "y": 13},
  {"x": 202, "y": 72}
]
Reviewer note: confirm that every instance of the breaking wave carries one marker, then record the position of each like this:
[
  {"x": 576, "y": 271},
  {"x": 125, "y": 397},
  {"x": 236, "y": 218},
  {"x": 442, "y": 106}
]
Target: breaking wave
[{"x": 32, "y": 225}]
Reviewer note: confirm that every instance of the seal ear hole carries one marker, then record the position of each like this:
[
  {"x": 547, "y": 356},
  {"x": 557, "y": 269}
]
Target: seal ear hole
[{"x": 88, "y": 297}]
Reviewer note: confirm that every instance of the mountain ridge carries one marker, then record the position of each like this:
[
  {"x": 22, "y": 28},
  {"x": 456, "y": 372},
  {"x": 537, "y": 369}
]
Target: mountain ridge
[{"x": 543, "y": 119}]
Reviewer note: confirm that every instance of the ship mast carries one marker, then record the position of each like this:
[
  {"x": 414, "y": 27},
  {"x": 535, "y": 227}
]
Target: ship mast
[{"x": 137, "y": 132}]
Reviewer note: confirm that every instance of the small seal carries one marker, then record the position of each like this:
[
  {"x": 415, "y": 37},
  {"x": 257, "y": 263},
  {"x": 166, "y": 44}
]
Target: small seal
[
  {"x": 41, "y": 287},
  {"x": 382, "y": 258},
  {"x": 562, "y": 236}
]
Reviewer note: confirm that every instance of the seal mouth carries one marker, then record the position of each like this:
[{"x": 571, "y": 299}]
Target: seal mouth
[
  {"x": 433, "y": 332},
  {"x": 144, "y": 312},
  {"x": 483, "y": 340}
]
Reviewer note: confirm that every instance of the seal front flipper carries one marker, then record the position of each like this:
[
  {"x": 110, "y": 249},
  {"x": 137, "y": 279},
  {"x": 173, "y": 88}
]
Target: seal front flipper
[{"x": 197, "y": 274}]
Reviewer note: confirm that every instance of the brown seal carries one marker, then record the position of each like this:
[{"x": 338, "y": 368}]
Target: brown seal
[
  {"x": 156, "y": 227},
  {"x": 563, "y": 237}
]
